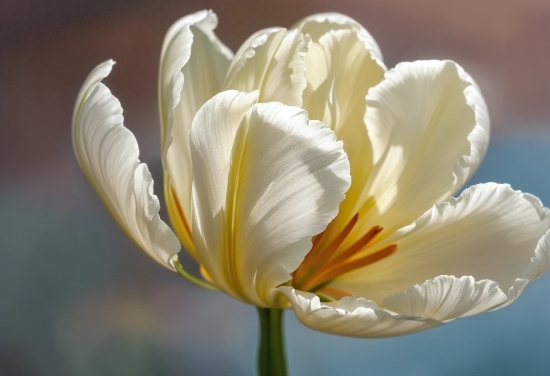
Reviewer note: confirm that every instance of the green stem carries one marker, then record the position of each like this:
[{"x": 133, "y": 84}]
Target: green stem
[{"x": 271, "y": 357}]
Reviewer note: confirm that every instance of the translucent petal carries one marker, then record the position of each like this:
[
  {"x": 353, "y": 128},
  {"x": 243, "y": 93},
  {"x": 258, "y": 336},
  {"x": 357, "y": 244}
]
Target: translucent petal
[
  {"x": 490, "y": 232},
  {"x": 273, "y": 62},
  {"x": 427, "y": 139},
  {"x": 266, "y": 181},
  {"x": 108, "y": 154},
  {"x": 446, "y": 298},
  {"x": 336, "y": 93},
  {"x": 353, "y": 317},
  {"x": 193, "y": 66}
]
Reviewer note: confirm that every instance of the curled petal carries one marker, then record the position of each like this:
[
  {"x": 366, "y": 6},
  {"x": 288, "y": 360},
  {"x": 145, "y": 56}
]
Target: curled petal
[
  {"x": 319, "y": 24},
  {"x": 108, "y": 154},
  {"x": 273, "y": 62},
  {"x": 354, "y": 317},
  {"x": 446, "y": 298},
  {"x": 336, "y": 94},
  {"x": 266, "y": 180},
  {"x": 478, "y": 138},
  {"x": 427, "y": 139},
  {"x": 212, "y": 137},
  {"x": 490, "y": 232},
  {"x": 539, "y": 264},
  {"x": 205, "y": 61},
  {"x": 193, "y": 66}
]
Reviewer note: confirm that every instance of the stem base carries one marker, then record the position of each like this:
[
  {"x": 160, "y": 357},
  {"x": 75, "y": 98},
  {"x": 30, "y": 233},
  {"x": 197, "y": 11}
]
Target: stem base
[{"x": 271, "y": 357}]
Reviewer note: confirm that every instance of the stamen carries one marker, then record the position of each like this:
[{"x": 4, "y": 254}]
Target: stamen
[
  {"x": 324, "y": 263},
  {"x": 317, "y": 257},
  {"x": 336, "y": 270},
  {"x": 358, "y": 245},
  {"x": 317, "y": 241}
]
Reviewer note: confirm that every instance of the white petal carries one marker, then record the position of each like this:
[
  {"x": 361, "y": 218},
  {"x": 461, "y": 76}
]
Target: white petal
[
  {"x": 248, "y": 49},
  {"x": 539, "y": 264},
  {"x": 447, "y": 297},
  {"x": 192, "y": 70},
  {"x": 337, "y": 87},
  {"x": 263, "y": 187},
  {"x": 354, "y": 317},
  {"x": 336, "y": 92},
  {"x": 212, "y": 137},
  {"x": 489, "y": 232},
  {"x": 424, "y": 132},
  {"x": 319, "y": 24},
  {"x": 273, "y": 62},
  {"x": 108, "y": 154},
  {"x": 478, "y": 138}
]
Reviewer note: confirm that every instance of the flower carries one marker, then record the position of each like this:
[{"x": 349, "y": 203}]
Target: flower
[{"x": 255, "y": 190}]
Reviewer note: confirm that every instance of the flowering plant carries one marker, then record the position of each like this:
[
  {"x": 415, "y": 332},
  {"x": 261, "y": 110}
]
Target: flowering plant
[{"x": 301, "y": 173}]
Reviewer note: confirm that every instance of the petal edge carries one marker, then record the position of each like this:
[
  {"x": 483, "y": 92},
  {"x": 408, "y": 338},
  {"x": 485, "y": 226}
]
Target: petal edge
[
  {"x": 108, "y": 155},
  {"x": 353, "y": 317},
  {"x": 446, "y": 298}
]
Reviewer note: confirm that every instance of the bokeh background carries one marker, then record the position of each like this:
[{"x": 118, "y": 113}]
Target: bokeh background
[{"x": 77, "y": 298}]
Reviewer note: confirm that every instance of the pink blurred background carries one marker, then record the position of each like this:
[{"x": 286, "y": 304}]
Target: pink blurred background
[{"x": 72, "y": 281}]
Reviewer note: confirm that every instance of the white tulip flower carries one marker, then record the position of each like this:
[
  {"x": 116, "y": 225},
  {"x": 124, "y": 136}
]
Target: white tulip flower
[{"x": 255, "y": 190}]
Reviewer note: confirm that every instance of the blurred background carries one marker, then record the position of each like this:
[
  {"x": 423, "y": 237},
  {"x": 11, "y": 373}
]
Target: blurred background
[{"x": 77, "y": 298}]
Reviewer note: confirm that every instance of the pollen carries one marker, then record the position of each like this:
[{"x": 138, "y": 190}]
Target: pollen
[{"x": 324, "y": 263}]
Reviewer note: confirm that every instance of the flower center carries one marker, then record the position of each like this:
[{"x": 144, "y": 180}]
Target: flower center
[{"x": 322, "y": 264}]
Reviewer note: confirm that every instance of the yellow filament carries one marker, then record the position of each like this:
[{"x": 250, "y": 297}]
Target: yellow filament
[
  {"x": 323, "y": 264},
  {"x": 336, "y": 270},
  {"x": 317, "y": 256}
]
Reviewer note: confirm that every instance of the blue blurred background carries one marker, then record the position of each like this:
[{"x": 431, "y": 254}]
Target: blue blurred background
[{"x": 77, "y": 298}]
